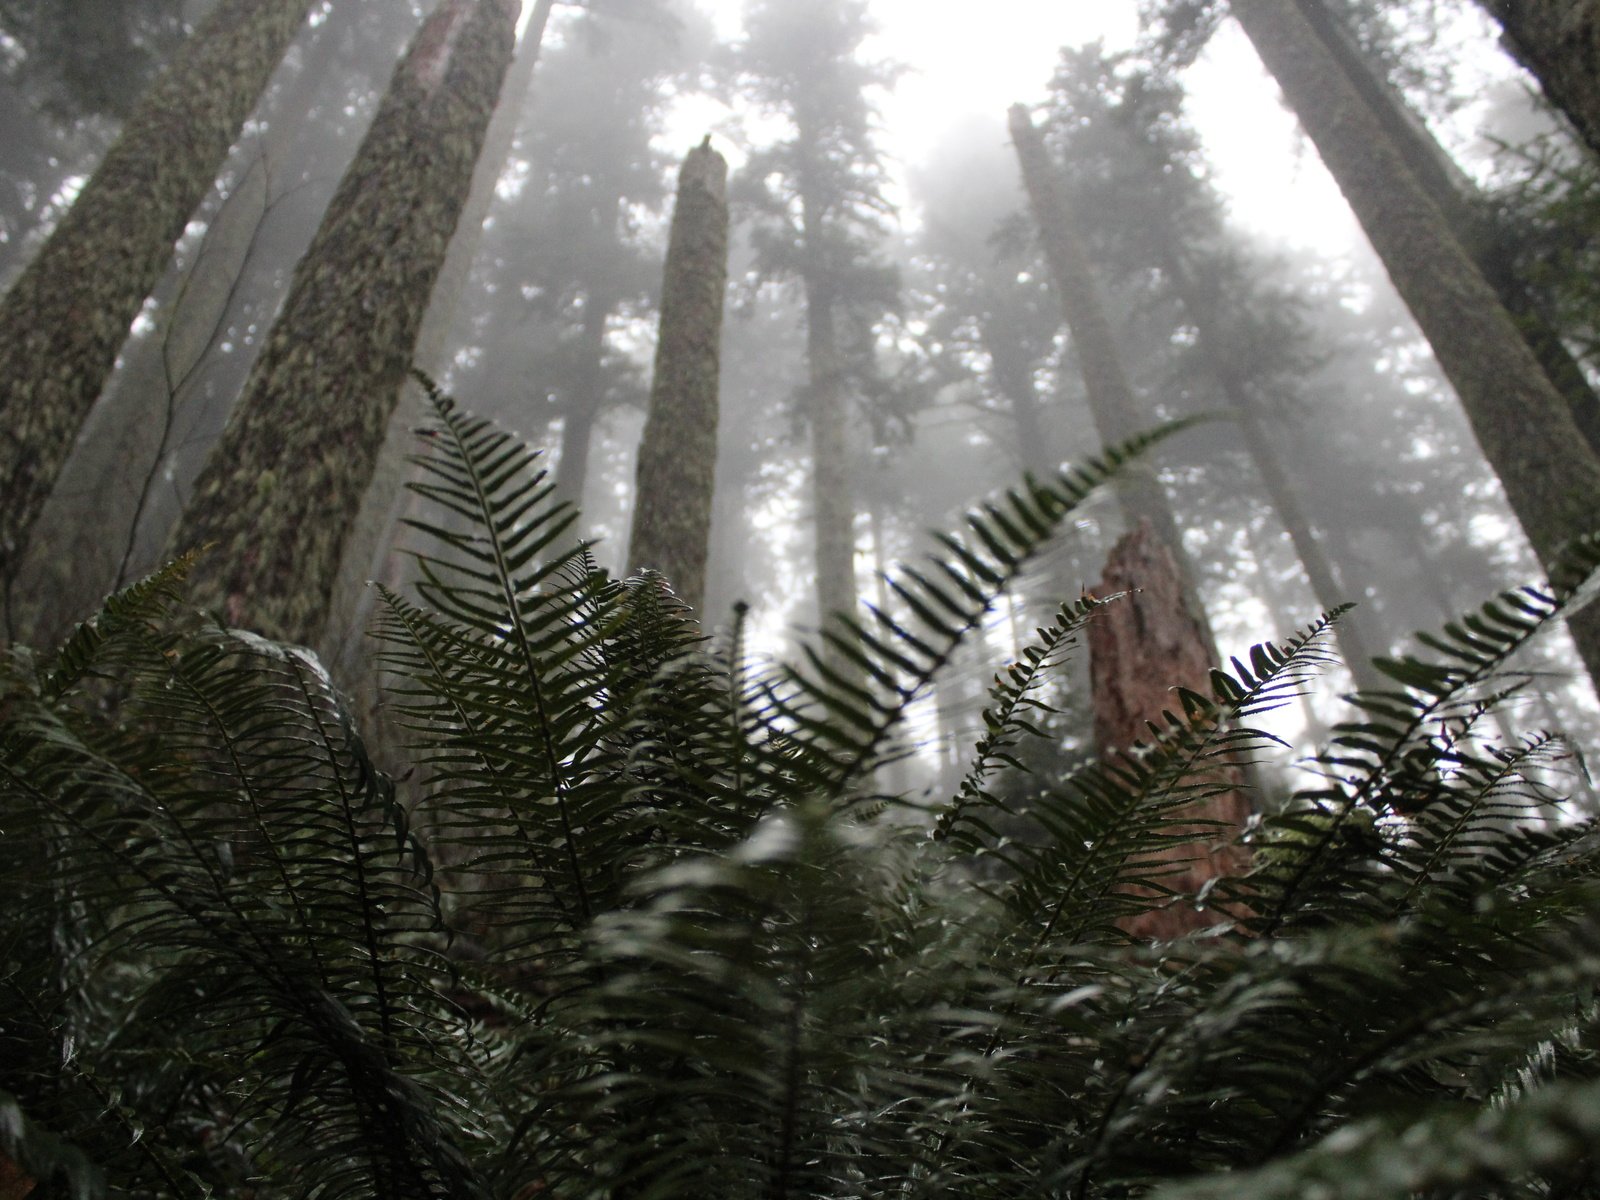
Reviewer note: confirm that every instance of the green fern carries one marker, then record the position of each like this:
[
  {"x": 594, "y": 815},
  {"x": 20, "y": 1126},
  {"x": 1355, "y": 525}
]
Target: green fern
[{"x": 652, "y": 928}]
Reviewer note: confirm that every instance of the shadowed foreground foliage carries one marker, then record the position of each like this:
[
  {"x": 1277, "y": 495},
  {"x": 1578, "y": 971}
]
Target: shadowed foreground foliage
[{"x": 651, "y": 930}]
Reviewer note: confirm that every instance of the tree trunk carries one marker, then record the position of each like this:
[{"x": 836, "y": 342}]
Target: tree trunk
[
  {"x": 1202, "y": 305},
  {"x": 64, "y": 319},
  {"x": 582, "y": 404},
  {"x": 1115, "y": 408},
  {"x": 1140, "y": 648},
  {"x": 832, "y": 494},
  {"x": 1559, "y": 41},
  {"x": 371, "y": 539},
  {"x": 282, "y": 487},
  {"x": 1551, "y": 478},
  {"x": 119, "y": 491},
  {"x": 1111, "y": 398},
  {"x": 678, "y": 450},
  {"x": 1013, "y": 377},
  {"x": 1463, "y": 207}
]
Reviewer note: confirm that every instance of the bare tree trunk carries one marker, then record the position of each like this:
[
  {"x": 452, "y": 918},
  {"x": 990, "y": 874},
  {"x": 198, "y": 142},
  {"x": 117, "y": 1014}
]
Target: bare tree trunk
[
  {"x": 1140, "y": 648},
  {"x": 1550, "y": 476},
  {"x": 282, "y": 487},
  {"x": 64, "y": 319},
  {"x": 1559, "y": 41},
  {"x": 678, "y": 450}
]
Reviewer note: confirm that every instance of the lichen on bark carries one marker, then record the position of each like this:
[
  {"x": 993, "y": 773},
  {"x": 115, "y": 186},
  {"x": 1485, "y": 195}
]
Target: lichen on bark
[
  {"x": 65, "y": 318},
  {"x": 281, "y": 488},
  {"x": 677, "y": 454},
  {"x": 1559, "y": 41}
]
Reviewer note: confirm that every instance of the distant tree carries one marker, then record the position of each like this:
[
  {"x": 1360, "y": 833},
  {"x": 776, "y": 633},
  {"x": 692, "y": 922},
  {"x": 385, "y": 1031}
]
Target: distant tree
[
  {"x": 280, "y": 489},
  {"x": 1550, "y": 476},
  {"x": 818, "y": 199},
  {"x": 988, "y": 312},
  {"x": 1559, "y": 41},
  {"x": 1122, "y": 127},
  {"x": 678, "y": 452},
  {"x": 64, "y": 319},
  {"x": 1118, "y": 411}
]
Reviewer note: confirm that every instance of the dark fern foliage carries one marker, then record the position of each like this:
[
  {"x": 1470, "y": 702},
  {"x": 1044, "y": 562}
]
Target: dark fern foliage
[{"x": 655, "y": 930}]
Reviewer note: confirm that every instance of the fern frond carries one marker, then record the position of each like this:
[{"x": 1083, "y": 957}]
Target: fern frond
[
  {"x": 857, "y": 692},
  {"x": 1410, "y": 750}
]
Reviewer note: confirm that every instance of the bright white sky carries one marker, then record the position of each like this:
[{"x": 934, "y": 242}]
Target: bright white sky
[{"x": 966, "y": 61}]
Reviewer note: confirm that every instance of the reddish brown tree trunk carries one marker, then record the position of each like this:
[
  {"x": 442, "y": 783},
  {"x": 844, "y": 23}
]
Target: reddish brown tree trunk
[{"x": 1140, "y": 649}]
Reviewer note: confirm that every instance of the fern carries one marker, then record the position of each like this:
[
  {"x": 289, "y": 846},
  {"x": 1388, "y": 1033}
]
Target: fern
[{"x": 650, "y": 929}]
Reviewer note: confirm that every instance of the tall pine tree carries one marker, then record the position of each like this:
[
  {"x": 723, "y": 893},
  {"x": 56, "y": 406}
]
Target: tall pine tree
[
  {"x": 818, "y": 195},
  {"x": 1550, "y": 476}
]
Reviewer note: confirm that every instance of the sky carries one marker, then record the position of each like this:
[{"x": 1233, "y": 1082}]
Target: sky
[{"x": 961, "y": 64}]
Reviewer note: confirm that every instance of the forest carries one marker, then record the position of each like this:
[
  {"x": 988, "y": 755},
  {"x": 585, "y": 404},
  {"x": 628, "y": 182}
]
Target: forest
[{"x": 799, "y": 598}]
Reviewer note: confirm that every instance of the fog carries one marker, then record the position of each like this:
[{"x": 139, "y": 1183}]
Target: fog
[{"x": 959, "y": 373}]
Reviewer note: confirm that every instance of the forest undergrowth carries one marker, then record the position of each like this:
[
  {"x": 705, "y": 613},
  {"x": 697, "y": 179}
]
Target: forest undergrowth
[{"x": 652, "y": 926}]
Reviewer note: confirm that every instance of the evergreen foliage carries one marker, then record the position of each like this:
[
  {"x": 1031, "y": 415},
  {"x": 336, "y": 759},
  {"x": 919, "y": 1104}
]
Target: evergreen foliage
[{"x": 653, "y": 929}]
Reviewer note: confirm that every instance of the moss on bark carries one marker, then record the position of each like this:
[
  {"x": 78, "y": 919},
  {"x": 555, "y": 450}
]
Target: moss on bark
[
  {"x": 1550, "y": 476},
  {"x": 65, "y": 318},
  {"x": 678, "y": 452},
  {"x": 282, "y": 487}
]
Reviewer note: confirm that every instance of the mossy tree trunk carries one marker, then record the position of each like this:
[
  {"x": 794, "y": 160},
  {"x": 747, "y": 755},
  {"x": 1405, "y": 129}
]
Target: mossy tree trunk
[
  {"x": 1550, "y": 476},
  {"x": 678, "y": 451},
  {"x": 69, "y": 312},
  {"x": 1466, "y": 211},
  {"x": 370, "y": 550},
  {"x": 1559, "y": 41},
  {"x": 282, "y": 487}
]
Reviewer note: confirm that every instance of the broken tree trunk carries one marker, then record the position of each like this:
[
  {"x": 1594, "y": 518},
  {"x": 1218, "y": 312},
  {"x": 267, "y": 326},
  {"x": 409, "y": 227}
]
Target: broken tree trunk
[
  {"x": 678, "y": 451},
  {"x": 1140, "y": 649}
]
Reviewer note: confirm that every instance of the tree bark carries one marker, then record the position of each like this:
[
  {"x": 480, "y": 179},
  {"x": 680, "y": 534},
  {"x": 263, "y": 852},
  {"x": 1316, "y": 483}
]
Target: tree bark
[
  {"x": 1559, "y": 41},
  {"x": 371, "y": 540},
  {"x": 832, "y": 494},
  {"x": 1462, "y": 206},
  {"x": 1550, "y": 476},
  {"x": 64, "y": 319},
  {"x": 282, "y": 487},
  {"x": 1140, "y": 648},
  {"x": 678, "y": 451}
]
